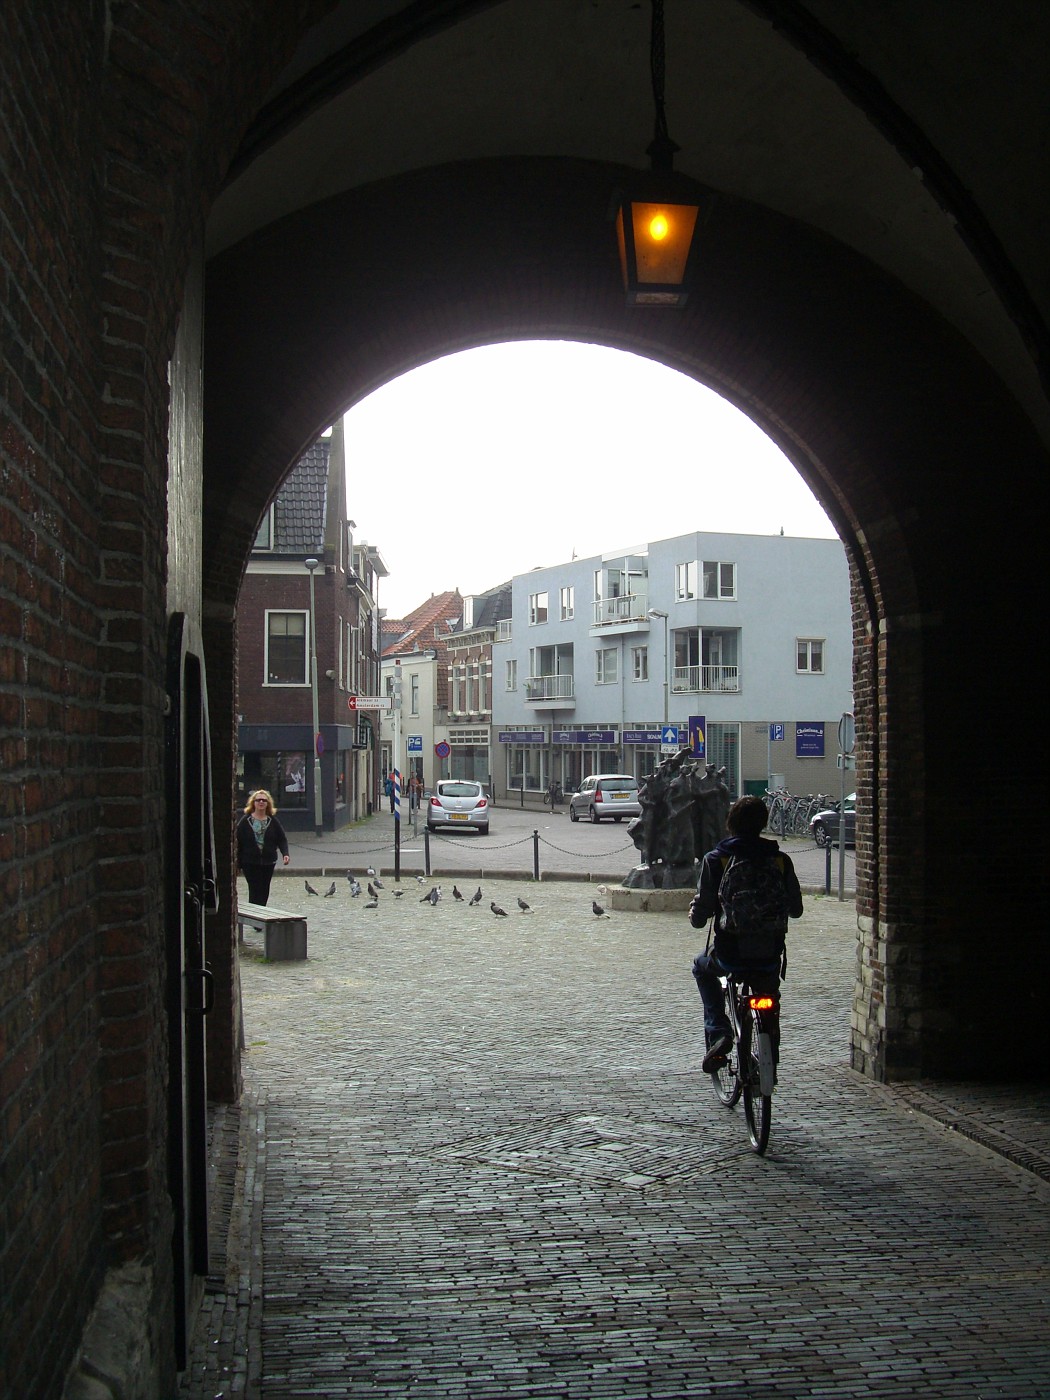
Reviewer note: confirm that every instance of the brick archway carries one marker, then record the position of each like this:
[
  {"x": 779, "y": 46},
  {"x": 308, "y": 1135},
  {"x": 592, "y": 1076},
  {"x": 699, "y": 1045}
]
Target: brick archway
[{"x": 882, "y": 407}]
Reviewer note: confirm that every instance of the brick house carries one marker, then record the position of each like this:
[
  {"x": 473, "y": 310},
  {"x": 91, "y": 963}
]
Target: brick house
[
  {"x": 417, "y": 647},
  {"x": 308, "y": 520}
]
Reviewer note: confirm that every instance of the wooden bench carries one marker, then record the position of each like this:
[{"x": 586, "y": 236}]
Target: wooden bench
[{"x": 284, "y": 934}]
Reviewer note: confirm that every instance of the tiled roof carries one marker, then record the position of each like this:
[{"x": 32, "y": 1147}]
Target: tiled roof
[
  {"x": 299, "y": 509},
  {"x": 426, "y": 626}
]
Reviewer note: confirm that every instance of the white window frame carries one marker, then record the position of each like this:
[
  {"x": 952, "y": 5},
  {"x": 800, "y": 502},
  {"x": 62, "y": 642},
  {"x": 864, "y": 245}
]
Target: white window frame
[
  {"x": 567, "y": 601},
  {"x": 804, "y": 656},
  {"x": 511, "y": 675},
  {"x": 640, "y": 663},
  {"x": 606, "y": 673},
  {"x": 723, "y": 574},
  {"x": 539, "y": 611},
  {"x": 265, "y": 524},
  {"x": 685, "y": 580},
  {"x": 413, "y": 691},
  {"x": 304, "y": 613}
]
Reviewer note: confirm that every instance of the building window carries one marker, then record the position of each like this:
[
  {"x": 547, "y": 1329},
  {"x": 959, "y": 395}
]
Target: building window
[
  {"x": 264, "y": 537},
  {"x": 568, "y": 603},
  {"x": 685, "y": 581},
  {"x": 512, "y": 675},
  {"x": 809, "y": 656},
  {"x": 640, "y": 663},
  {"x": 537, "y": 608},
  {"x": 413, "y": 682},
  {"x": 605, "y": 671},
  {"x": 719, "y": 580},
  {"x": 286, "y": 648}
]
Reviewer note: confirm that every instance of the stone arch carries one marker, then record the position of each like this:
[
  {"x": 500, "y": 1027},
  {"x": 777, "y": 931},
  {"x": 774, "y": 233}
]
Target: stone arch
[{"x": 878, "y": 402}]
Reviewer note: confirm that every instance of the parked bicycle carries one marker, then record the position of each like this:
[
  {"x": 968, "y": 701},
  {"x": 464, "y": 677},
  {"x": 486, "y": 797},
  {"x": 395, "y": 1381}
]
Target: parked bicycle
[
  {"x": 751, "y": 1067},
  {"x": 553, "y": 795}
]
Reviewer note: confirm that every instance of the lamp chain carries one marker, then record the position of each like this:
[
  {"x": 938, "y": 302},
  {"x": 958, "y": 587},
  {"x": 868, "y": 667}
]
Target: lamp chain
[{"x": 662, "y": 148}]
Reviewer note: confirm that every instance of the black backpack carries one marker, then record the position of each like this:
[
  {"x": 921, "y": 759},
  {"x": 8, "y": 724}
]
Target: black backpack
[{"x": 754, "y": 904}]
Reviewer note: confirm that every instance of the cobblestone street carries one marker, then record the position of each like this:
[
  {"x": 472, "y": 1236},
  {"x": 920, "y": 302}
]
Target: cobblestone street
[{"x": 476, "y": 1157}]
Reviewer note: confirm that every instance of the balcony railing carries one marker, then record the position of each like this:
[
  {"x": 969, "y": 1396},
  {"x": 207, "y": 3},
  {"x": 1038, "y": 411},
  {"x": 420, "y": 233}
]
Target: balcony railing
[
  {"x": 686, "y": 678},
  {"x": 631, "y": 607},
  {"x": 550, "y": 687}
]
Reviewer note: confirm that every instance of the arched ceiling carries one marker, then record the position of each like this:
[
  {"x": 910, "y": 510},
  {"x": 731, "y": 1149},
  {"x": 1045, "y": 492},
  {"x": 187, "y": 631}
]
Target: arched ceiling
[{"x": 913, "y": 132}]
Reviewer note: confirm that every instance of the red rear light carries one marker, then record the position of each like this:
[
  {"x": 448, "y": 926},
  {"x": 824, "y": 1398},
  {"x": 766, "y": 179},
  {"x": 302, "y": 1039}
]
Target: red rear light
[
  {"x": 765, "y": 1003},
  {"x": 483, "y": 802},
  {"x": 434, "y": 802},
  {"x": 597, "y": 794}
]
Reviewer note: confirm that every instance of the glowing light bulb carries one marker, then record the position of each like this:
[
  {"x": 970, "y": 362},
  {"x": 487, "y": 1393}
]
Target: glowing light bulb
[{"x": 658, "y": 227}]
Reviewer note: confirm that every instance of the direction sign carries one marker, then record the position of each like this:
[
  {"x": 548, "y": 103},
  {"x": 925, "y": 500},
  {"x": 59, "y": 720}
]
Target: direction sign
[
  {"x": 847, "y": 733},
  {"x": 776, "y": 733},
  {"x": 670, "y": 740},
  {"x": 369, "y": 702}
]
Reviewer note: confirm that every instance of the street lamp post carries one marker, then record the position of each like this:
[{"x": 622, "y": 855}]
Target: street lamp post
[
  {"x": 311, "y": 565},
  {"x": 655, "y": 612}
]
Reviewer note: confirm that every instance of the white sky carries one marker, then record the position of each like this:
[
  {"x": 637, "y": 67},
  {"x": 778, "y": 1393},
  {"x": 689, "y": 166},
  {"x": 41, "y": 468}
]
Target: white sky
[{"x": 491, "y": 462}]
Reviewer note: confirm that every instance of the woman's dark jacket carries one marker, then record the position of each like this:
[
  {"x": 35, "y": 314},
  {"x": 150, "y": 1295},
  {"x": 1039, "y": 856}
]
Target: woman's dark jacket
[{"x": 274, "y": 842}]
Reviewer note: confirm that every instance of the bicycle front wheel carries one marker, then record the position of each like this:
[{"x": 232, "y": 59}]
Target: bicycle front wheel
[{"x": 758, "y": 1107}]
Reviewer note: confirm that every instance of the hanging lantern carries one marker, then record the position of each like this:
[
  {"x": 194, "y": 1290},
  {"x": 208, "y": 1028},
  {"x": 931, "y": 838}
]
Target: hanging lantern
[{"x": 656, "y": 220}]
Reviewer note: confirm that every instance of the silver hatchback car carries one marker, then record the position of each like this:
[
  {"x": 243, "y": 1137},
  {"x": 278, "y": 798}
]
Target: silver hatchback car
[
  {"x": 605, "y": 796},
  {"x": 458, "y": 802}
]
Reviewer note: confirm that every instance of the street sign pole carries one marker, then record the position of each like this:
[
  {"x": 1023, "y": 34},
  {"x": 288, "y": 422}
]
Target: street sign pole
[
  {"x": 397, "y": 771},
  {"x": 847, "y": 743}
]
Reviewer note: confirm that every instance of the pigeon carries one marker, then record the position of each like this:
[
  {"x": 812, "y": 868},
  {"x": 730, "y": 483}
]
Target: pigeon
[
  {"x": 371, "y": 889},
  {"x": 455, "y": 893},
  {"x": 329, "y": 892},
  {"x": 377, "y": 882},
  {"x": 398, "y": 894},
  {"x": 420, "y": 880},
  {"x": 525, "y": 908},
  {"x": 476, "y": 898},
  {"x": 309, "y": 888},
  {"x": 597, "y": 908},
  {"x": 497, "y": 910},
  {"x": 373, "y": 905},
  {"x": 355, "y": 888},
  {"x": 432, "y": 897},
  {"x": 371, "y": 870}
]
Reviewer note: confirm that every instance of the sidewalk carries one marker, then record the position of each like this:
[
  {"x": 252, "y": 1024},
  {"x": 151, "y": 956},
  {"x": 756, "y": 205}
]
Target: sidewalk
[{"x": 475, "y": 1158}]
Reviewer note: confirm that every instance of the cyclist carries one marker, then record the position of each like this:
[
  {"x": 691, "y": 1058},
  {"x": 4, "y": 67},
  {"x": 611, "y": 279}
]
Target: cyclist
[{"x": 746, "y": 819}]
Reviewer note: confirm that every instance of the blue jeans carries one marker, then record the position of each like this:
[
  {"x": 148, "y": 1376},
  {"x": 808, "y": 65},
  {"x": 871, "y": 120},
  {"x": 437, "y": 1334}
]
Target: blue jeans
[{"x": 707, "y": 969}]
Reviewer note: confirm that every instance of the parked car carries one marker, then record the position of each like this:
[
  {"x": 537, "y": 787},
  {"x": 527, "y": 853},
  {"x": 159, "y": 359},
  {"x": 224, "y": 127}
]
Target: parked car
[
  {"x": 605, "y": 795},
  {"x": 458, "y": 802},
  {"x": 825, "y": 825}
]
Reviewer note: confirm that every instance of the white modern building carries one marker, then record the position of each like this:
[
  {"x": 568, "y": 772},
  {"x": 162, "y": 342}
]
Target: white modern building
[{"x": 743, "y": 642}]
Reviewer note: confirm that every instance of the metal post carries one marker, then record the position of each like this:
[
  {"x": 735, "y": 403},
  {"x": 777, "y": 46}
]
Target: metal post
[
  {"x": 311, "y": 565},
  {"x": 536, "y": 856},
  {"x": 397, "y": 770},
  {"x": 426, "y": 850}
]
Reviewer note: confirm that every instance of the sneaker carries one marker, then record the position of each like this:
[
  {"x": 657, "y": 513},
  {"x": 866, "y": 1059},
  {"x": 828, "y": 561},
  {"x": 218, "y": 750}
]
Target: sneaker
[{"x": 718, "y": 1052}]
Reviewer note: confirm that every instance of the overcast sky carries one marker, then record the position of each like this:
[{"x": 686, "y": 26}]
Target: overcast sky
[{"x": 490, "y": 462}]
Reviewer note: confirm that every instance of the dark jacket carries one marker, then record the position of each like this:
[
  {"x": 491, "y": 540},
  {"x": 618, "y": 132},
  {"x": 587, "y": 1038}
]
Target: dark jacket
[
  {"x": 705, "y": 903},
  {"x": 274, "y": 842}
]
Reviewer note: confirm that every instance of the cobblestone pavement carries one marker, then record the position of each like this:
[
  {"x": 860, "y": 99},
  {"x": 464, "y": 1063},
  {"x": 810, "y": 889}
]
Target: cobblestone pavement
[{"x": 476, "y": 1158}]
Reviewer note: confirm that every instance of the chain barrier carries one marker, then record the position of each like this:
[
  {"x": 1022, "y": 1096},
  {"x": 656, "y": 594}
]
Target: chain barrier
[{"x": 586, "y": 855}]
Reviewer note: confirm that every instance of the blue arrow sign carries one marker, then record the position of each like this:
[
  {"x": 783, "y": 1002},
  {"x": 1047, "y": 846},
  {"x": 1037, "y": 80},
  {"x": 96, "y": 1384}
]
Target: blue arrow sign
[{"x": 669, "y": 735}]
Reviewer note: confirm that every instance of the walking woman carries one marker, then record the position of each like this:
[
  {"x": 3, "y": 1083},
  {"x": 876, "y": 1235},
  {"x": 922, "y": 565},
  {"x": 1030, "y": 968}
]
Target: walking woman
[{"x": 260, "y": 837}]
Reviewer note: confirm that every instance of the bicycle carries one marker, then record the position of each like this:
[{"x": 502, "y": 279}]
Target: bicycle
[
  {"x": 750, "y": 1069},
  {"x": 553, "y": 795}
]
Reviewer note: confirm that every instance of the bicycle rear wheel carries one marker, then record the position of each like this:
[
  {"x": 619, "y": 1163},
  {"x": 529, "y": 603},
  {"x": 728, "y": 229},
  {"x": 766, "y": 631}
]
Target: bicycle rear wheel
[{"x": 758, "y": 1107}]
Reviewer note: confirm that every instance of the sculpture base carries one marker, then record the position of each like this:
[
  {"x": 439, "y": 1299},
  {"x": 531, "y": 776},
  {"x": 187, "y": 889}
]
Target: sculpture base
[
  {"x": 649, "y": 901},
  {"x": 663, "y": 877}
]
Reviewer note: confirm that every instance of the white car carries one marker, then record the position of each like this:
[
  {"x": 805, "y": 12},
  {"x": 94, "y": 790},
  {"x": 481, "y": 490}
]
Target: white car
[
  {"x": 458, "y": 802},
  {"x": 605, "y": 796}
]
